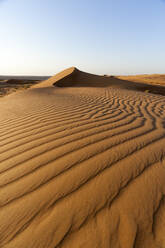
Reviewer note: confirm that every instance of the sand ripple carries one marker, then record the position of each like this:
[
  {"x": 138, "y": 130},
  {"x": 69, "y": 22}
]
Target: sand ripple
[{"x": 82, "y": 167}]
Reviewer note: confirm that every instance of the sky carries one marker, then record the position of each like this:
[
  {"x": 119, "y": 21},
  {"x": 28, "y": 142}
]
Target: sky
[{"x": 43, "y": 37}]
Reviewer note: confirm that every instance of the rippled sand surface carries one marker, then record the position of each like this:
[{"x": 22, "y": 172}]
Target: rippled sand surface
[{"x": 82, "y": 167}]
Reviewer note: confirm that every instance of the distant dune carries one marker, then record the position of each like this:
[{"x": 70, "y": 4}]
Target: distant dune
[
  {"x": 82, "y": 164},
  {"x": 155, "y": 79}
]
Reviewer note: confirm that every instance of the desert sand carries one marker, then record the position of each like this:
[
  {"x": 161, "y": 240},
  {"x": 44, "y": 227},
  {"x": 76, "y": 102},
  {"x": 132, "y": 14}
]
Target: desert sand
[{"x": 82, "y": 164}]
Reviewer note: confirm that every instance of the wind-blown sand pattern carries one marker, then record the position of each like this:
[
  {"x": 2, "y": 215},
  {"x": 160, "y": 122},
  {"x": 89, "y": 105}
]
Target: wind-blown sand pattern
[{"x": 82, "y": 166}]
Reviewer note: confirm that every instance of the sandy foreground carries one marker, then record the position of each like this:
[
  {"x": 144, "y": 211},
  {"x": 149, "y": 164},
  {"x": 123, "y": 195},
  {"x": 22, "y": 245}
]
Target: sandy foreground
[{"x": 82, "y": 164}]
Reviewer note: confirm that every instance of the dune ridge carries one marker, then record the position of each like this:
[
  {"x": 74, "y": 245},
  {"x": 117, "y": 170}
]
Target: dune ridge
[
  {"x": 82, "y": 165},
  {"x": 73, "y": 77}
]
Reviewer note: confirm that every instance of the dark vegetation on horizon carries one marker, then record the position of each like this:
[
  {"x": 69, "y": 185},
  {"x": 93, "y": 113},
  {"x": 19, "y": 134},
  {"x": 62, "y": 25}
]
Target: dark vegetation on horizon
[
  {"x": 11, "y": 84},
  {"x": 5, "y": 77}
]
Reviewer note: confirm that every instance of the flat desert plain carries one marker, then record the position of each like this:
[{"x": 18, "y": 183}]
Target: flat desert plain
[{"x": 82, "y": 163}]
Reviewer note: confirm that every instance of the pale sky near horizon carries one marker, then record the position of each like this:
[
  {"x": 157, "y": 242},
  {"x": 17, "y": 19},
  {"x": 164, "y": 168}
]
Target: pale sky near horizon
[{"x": 43, "y": 37}]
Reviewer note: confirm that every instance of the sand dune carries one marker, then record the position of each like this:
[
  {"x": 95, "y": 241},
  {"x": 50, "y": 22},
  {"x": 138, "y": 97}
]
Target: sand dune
[
  {"x": 73, "y": 77},
  {"x": 82, "y": 165},
  {"x": 154, "y": 79}
]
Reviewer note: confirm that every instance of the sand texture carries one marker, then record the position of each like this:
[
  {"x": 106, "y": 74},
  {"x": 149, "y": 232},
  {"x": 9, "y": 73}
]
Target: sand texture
[{"x": 82, "y": 166}]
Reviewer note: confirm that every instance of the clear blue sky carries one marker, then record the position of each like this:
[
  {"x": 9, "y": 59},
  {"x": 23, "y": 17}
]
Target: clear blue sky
[{"x": 42, "y": 37}]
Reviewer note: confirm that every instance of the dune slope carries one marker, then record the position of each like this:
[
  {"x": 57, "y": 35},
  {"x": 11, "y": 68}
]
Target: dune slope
[
  {"x": 73, "y": 77},
  {"x": 82, "y": 166}
]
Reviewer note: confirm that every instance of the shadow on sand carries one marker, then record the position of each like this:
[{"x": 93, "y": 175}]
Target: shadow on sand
[{"x": 82, "y": 79}]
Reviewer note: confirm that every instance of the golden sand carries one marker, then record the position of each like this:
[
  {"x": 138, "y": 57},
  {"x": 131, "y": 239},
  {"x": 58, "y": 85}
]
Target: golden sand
[{"x": 82, "y": 166}]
